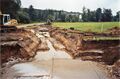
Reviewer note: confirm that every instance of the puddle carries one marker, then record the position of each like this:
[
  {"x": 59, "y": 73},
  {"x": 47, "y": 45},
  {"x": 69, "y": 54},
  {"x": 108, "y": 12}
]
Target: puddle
[{"x": 28, "y": 69}]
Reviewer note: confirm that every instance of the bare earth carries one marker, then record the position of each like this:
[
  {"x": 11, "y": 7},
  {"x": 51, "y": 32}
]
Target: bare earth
[{"x": 55, "y": 64}]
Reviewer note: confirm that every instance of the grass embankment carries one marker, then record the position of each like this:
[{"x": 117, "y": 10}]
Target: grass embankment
[{"x": 88, "y": 26}]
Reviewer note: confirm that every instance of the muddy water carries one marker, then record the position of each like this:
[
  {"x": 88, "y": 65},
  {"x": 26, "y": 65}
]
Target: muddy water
[{"x": 55, "y": 64}]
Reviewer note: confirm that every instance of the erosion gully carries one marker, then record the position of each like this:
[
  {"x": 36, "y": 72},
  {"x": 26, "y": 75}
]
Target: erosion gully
[{"x": 55, "y": 64}]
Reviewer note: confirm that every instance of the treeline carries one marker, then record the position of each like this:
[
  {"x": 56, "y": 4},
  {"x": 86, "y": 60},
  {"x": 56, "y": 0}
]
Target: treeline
[
  {"x": 99, "y": 15},
  {"x": 27, "y": 15},
  {"x": 32, "y": 15}
]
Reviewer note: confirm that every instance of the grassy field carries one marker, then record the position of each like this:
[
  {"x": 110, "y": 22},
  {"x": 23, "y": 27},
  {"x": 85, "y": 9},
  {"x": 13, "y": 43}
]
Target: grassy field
[{"x": 87, "y": 26}]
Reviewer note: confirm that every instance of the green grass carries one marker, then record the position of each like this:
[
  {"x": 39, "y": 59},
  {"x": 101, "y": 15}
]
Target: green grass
[
  {"x": 103, "y": 38},
  {"x": 87, "y": 26}
]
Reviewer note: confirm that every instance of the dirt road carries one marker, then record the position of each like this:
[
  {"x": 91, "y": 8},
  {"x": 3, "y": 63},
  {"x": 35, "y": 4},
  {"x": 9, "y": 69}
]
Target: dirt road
[
  {"x": 55, "y": 64},
  {"x": 28, "y": 25}
]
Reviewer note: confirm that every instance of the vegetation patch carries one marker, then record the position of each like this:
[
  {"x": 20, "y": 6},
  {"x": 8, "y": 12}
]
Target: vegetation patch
[{"x": 87, "y": 26}]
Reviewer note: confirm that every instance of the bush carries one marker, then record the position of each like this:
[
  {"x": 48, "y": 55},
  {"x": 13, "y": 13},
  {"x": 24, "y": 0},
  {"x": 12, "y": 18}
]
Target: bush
[
  {"x": 48, "y": 22},
  {"x": 72, "y": 28},
  {"x": 23, "y": 17}
]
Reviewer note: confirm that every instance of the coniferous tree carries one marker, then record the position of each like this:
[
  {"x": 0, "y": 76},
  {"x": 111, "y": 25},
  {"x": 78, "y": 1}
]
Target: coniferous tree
[{"x": 32, "y": 13}]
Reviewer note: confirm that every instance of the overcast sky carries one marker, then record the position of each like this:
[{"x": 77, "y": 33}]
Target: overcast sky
[{"x": 73, "y": 5}]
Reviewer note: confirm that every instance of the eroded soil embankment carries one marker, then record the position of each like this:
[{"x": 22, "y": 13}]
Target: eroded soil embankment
[
  {"x": 109, "y": 50},
  {"x": 105, "y": 51},
  {"x": 97, "y": 50},
  {"x": 20, "y": 44}
]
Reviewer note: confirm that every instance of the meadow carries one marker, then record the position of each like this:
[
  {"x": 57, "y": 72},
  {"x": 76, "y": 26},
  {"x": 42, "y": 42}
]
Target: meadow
[{"x": 87, "y": 26}]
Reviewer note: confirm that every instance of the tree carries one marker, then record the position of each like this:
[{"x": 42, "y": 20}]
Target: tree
[
  {"x": 107, "y": 15},
  {"x": 117, "y": 16},
  {"x": 84, "y": 15},
  {"x": 10, "y": 7},
  {"x": 88, "y": 15},
  {"x": 93, "y": 16},
  {"x": 23, "y": 17},
  {"x": 39, "y": 17},
  {"x": 50, "y": 17},
  {"x": 67, "y": 19},
  {"x": 32, "y": 13},
  {"x": 98, "y": 14},
  {"x": 76, "y": 18},
  {"x": 63, "y": 16}
]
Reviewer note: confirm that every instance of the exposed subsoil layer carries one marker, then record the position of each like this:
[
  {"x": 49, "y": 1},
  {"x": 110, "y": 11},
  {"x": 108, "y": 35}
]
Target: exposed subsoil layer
[
  {"x": 19, "y": 44},
  {"x": 87, "y": 49}
]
